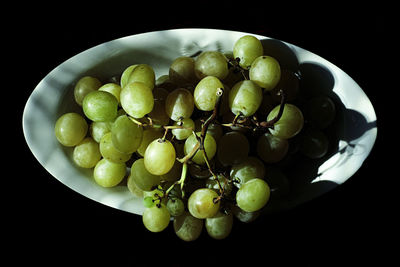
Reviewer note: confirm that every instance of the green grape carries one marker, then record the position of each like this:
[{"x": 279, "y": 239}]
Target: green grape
[
  {"x": 84, "y": 86},
  {"x": 210, "y": 146},
  {"x": 156, "y": 218},
  {"x": 247, "y": 49},
  {"x": 174, "y": 174},
  {"x": 126, "y": 135},
  {"x": 141, "y": 177},
  {"x": 113, "y": 89},
  {"x": 109, "y": 174},
  {"x": 179, "y": 104},
  {"x": 320, "y": 111},
  {"x": 253, "y": 195},
  {"x": 125, "y": 75},
  {"x": 314, "y": 143},
  {"x": 142, "y": 73},
  {"x": 109, "y": 152},
  {"x": 137, "y": 99},
  {"x": 245, "y": 98},
  {"x": 248, "y": 169},
  {"x": 271, "y": 148},
  {"x": 211, "y": 63},
  {"x": 87, "y": 153},
  {"x": 149, "y": 135},
  {"x": 199, "y": 172},
  {"x": 223, "y": 181},
  {"x": 100, "y": 106},
  {"x": 187, "y": 227},
  {"x": 175, "y": 207},
  {"x": 181, "y": 72},
  {"x": 159, "y": 157},
  {"x": 133, "y": 188},
  {"x": 289, "y": 83},
  {"x": 201, "y": 203},
  {"x": 158, "y": 115},
  {"x": 245, "y": 216},
  {"x": 148, "y": 202},
  {"x": 233, "y": 148},
  {"x": 219, "y": 226},
  {"x": 165, "y": 82},
  {"x": 266, "y": 72},
  {"x": 205, "y": 93},
  {"x": 98, "y": 129},
  {"x": 290, "y": 123},
  {"x": 182, "y": 134},
  {"x": 70, "y": 129}
]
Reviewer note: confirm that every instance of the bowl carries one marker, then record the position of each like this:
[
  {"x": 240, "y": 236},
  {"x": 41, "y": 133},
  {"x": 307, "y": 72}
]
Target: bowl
[{"x": 354, "y": 128}]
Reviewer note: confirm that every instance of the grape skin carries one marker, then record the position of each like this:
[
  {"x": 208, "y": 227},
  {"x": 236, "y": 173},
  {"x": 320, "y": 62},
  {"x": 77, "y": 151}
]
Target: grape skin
[
  {"x": 201, "y": 203},
  {"x": 70, "y": 129},
  {"x": 156, "y": 218}
]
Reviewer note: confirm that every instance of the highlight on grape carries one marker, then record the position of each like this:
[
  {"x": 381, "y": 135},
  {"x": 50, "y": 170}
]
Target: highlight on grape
[{"x": 203, "y": 143}]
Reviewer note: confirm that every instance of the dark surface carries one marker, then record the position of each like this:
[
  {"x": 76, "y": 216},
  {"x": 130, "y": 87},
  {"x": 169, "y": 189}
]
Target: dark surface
[{"x": 351, "y": 222}]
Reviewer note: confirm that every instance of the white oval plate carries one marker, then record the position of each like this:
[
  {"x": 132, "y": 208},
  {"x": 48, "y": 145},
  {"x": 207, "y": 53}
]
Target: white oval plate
[{"x": 53, "y": 97}]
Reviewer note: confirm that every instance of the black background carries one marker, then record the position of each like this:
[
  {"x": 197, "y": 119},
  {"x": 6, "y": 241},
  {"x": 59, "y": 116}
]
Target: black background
[{"x": 352, "y": 222}]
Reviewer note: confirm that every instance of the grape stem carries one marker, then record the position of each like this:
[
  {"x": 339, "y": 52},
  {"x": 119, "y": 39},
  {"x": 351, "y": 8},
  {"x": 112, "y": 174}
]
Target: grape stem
[
  {"x": 181, "y": 180},
  {"x": 270, "y": 123}
]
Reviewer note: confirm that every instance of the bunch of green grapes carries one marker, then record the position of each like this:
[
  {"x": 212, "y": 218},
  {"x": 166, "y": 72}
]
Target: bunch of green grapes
[{"x": 198, "y": 143}]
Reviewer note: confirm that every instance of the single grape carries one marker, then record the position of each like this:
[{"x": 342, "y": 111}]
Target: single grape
[
  {"x": 156, "y": 218},
  {"x": 290, "y": 123},
  {"x": 84, "y": 86},
  {"x": 211, "y": 63},
  {"x": 245, "y": 216},
  {"x": 137, "y": 99},
  {"x": 320, "y": 111},
  {"x": 109, "y": 174},
  {"x": 175, "y": 207},
  {"x": 149, "y": 135},
  {"x": 245, "y": 98},
  {"x": 201, "y": 203},
  {"x": 87, "y": 153},
  {"x": 179, "y": 104},
  {"x": 142, "y": 73},
  {"x": 271, "y": 148},
  {"x": 233, "y": 148},
  {"x": 113, "y": 89},
  {"x": 253, "y": 195},
  {"x": 289, "y": 83},
  {"x": 100, "y": 106},
  {"x": 126, "y": 136},
  {"x": 266, "y": 72},
  {"x": 141, "y": 177},
  {"x": 133, "y": 188},
  {"x": 98, "y": 129},
  {"x": 109, "y": 152},
  {"x": 314, "y": 143},
  {"x": 247, "y": 49},
  {"x": 210, "y": 146},
  {"x": 182, "y": 134},
  {"x": 187, "y": 227},
  {"x": 159, "y": 115},
  {"x": 159, "y": 157},
  {"x": 219, "y": 226},
  {"x": 248, "y": 169},
  {"x": 125, "y": 75},
  {"x": 70, "y": 129},
  {"x": 205, "y": 93},
  {"x": 181, "y": 72}
]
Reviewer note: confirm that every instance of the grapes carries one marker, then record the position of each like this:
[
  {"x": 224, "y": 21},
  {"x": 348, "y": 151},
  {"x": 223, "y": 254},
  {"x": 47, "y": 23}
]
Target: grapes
[
  {"x": 155, "y": 125},
  {"x": 290, "y": 123},
  {"x": 156, "y": 218},
  {"x": 247, "y": 49},
  {"x": 109, "y": 174},
  {"x": 137, "y": 99},
  {"x": 211, "y": 63},
  {"x": 266, "y": 72},
  {"x": 159, "y": 157},
  {"x": 253, "y": 195},
  {"x": 70, "y": 129},
  {"x": 201, "y": 203},
  {"x": 205, "y": 93},
  {"x": 245, "y": 98},
  {"x": 179, "y": 104}
]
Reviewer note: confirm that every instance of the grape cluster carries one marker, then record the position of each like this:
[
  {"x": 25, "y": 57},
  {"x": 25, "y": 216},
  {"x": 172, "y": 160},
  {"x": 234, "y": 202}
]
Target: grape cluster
[{"x": 199, "y": 142}]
